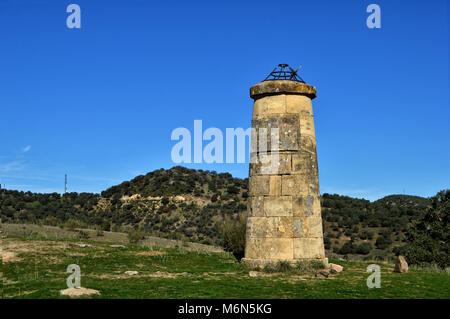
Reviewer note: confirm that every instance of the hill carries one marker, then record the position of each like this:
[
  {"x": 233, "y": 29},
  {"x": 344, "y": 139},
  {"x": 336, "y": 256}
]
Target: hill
[
  {"x": 404, "y": 200},
  {"x": 191, "y": 205}
]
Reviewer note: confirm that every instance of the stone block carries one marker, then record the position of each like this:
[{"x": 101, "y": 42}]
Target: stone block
[
  {"x": 274, "y": 104},
  {"x": 308, "y": 248},
  {"x": 307, "y": 125},
  {"x": 269, "y": 248},
  {"x": 299, "y": 185},
  {"x": 298, "y": 104},
  {"x": 304, "y": 163},
  {"x": 306, "y": 206},
  {"x": 293, "y": 185},
  {"x": 269, "y": 227},
  {"x": 271, "y": 163},
  {"x": 256, "y": 206},
  {"x": 287, "y": 128},
  {"x": 308, "y": 144},
  {"x": 275, "y": 185},
  {"x": 259, "y": 185},
  {"x": 277, "y": 206},
  {"x": 307, "y": 227}
]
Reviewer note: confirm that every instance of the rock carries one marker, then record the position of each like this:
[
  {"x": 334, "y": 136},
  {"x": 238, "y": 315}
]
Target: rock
[
  {"x": 401, "y": 266},
  {"x": 78, "y": 292},
  {"x": 336, "y": 268},
  {"x": 80, "y": 245},
  {"x": 131, "y": 272},
  {"x": 117, "y": 246},
  {"x": 254, "y": 274},
  {"x": 323, "y": 273}
]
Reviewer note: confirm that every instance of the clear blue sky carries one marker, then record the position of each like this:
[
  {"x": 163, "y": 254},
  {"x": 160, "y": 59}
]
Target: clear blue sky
[{"x": 100, "y": 103}]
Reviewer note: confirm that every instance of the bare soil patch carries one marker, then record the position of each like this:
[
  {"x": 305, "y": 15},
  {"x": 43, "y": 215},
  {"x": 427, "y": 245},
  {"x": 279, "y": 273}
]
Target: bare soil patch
[{"x": 9, "y": 256}]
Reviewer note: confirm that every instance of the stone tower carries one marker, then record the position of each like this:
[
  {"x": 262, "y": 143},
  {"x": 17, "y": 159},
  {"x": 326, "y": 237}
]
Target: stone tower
[{"x": 284, "y": 219}]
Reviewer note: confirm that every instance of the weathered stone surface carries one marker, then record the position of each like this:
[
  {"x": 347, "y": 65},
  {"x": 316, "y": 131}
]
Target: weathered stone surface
[
  {"x": 309, "y": 248},
  {"x": 284, "y": 220},
  {"x": 292, "y": 185},
  {"x": 270, "y": 206},
  {"x": 254, "y": 274},
  {"x": 277, "y": 206},
  {"x": 269, "y": 248},
  {"x": 305, "y": 206},
  {"x": 287, "y": 126},
  {"x": 336, "y": 268},
  {"x": 274, "y": 104},
  {"x": 256, "y": 206},
  {"x": 307, "y": 125},
  {"x": 298, "y": 104},
  {"x": 305, "y": 163},
  {"x": 271, "y": 163},
  {"x": 269, "y": 227},
  {"x": 401, "y": 266},
  {"x": 299, "y": 185},
  {"x": 259, "y": 185},
  {"x": 307, "y": 227},
  {"x": 275, "y": 185},
  {"x": 281, "y": 227},
  {"x": 308, "y": 144},
  {"x": 282, "y": 86}
]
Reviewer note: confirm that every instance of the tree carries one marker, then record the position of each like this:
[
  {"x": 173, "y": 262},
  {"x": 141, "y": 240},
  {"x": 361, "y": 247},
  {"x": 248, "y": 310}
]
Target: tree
[
  {"x": 428, "y": 237},
  {"x": 381, "y": 242}
]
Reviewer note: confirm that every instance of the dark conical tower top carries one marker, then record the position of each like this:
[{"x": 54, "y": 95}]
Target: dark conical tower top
[{"x": 284, "y": 72}]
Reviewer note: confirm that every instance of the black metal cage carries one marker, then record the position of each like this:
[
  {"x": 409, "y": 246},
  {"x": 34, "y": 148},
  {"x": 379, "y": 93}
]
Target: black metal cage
[{"x": 284, "y": 72}]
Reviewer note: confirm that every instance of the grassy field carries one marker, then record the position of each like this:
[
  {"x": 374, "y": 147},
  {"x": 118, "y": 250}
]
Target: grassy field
[{"x": 35, "y": 268}]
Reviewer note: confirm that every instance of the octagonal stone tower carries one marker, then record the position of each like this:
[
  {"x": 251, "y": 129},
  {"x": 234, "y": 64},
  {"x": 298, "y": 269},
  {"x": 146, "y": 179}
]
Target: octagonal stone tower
[{"x": 284, "y": 219}]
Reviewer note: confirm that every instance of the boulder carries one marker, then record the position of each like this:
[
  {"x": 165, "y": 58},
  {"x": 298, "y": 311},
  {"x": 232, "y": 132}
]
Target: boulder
[
  {"x": 131, "y": 272},
  {"x": 401, "y": 266},
  {"x": 117, "y": 246},
  {"x": 78, "y": 292},
  {"x": 336, "y": 268},
  {"x": 80, "y": 245},
  {"x": 323, "y": 273},
  {"x": 254, "y": 274}
]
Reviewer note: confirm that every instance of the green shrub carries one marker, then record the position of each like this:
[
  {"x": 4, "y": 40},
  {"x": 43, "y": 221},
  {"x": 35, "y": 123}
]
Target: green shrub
[
  {"x": 83, "y": 235},
  {"x": 363, "y": 249},
  {"x": 71, "y": 224},
  {"x": 309, "y": 266},
  {"x": 317, "y": 264},
  {"x": 106, "y": 225},
  {"x": 284, "y": 266},
  {"x": 281, "y": 266},
  {"x": 135, "y": 236},
  {"x": 232, "y": 236},
  {"x": 99, "y": 232},
  {"x": 51, "y": 221}
]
